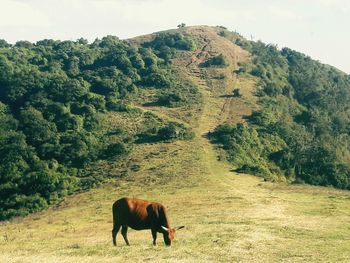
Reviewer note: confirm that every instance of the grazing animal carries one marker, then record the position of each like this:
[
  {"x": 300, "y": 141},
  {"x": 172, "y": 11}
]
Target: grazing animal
[{"x": 140, "y": 214}]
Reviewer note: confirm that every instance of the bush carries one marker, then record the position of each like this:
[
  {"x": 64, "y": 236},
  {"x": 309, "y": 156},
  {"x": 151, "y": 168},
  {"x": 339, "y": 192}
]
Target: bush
[
  {"x": 171, "y": 100},
  {"x": 236, "y": 93},
  {"x": 172, "y": 40},
  {"x": 168, "y": 132},
  {"x": 247, "y": 149},
  {"x": 115, "y": 150},
  {"x": 156, "y": 80},
  {"x": 216, "y": 61}
]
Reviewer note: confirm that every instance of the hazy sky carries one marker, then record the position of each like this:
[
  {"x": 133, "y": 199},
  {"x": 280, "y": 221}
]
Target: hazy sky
[{"x": 319, "y": 28}]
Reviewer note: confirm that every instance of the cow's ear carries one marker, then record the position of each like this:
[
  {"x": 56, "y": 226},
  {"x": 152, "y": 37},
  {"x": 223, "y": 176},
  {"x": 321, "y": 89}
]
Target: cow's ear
[{"x": 179, "y": 227}]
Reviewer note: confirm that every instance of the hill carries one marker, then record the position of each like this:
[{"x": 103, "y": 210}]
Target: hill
[{"x": 168, "y": 157}]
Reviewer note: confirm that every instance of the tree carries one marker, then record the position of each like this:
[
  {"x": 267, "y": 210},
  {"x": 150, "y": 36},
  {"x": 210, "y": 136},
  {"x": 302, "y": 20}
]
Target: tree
[
  {"x": 4, "y": 44},
  {"x": 168, "y": 132},
  {"x": 236, "y": 93},
  {"x": 216, "y": 61}
]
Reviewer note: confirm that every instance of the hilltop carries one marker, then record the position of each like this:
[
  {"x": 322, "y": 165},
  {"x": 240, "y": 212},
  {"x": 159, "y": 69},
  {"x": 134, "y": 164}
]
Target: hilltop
[{"x": 186, "y": 135}]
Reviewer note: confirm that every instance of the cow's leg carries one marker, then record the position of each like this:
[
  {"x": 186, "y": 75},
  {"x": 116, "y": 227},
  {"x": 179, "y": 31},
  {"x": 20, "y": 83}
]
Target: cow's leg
[
  {"x": 154, "y": 235},
  {"x": 115, "y": 231},
  {"x": 125, "y": 234}
]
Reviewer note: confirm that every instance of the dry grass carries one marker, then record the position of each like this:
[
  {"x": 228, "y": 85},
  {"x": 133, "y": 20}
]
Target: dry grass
[{"x": 228, "y": 217}]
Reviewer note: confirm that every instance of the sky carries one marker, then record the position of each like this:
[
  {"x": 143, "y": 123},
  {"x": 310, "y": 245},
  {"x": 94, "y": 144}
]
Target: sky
[{"x": 318, "y": 28}]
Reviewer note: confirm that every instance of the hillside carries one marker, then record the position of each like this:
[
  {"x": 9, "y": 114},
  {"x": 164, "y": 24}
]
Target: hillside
[
  {"x": 301, "y": 130},
  {"x": 229, "y": 216}
]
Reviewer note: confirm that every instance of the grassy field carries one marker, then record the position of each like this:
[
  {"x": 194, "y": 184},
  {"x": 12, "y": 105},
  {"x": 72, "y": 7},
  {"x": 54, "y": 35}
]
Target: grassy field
[{"x": 229, "y": 217}]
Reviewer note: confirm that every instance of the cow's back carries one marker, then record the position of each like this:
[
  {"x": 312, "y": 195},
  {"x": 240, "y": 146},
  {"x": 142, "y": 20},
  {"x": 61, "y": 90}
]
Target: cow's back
[{"x": 136, "y": 213}]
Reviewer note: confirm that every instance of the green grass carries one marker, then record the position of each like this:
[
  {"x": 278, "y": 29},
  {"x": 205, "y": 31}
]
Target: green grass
[{"x": 229, "y": 217}]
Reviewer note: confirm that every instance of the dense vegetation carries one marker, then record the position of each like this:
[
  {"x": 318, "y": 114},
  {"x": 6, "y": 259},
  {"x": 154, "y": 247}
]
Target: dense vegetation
[
  {"x": 165, "y": 44},
  {"x": 53, "y": 99},
  {"x": 302, "y": 130}
]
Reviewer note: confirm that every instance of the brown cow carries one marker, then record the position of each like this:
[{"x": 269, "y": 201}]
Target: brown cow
[{"x": 140, "y": 214}]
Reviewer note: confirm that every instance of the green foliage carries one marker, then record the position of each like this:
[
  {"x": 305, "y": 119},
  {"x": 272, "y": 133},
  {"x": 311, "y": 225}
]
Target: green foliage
[
  {"x": 115, "y": 150},
  {"x": 216, "y": 61},
  {"x": 157, "y": 132},
  {"x": 53, "y": 97},
  {"x": 181, "y": 95},
  {"x": 247, "y": 148},
  {"x": 236, "y": 93},
  {"x": 156, "y": 79},
  {"x": 173, "y": 131},
  {"x": 170, "y": 100},
  {"x": 168, "y": 132},
  {"x": 172, "y": 40},
  {"x": 165, "y": 44},
  {"x": 232, "y": 36},
  {"x": 304, "y": 105},
  {"x": 4, "y": 44}
]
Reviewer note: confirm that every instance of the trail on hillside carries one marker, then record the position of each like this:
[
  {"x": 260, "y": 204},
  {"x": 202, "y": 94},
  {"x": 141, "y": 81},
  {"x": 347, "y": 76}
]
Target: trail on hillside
[
  {"x": 256, "y": 205},
  {"x": 218, "y": 109}
]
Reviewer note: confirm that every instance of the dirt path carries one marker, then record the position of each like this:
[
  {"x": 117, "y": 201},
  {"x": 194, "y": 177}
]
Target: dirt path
[{"x": 256, "y": 206}]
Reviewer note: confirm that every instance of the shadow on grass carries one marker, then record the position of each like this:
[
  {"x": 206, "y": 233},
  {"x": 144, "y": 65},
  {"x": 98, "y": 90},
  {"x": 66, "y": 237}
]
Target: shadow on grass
[
  {"x": 151, "y": 138},
  {"x": 230, "y": 96},
  {"x": 147, "y": 138},
  {"x": 152, "y": 104},
  {"x": 226, "y": 96}
]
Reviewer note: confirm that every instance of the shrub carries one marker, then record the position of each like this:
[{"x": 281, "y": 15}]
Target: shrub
[
  {"x": 216, "y": 61},
  {"x": 115, "y": 150},
  {"x": 236, "y": 93},
  {"x": 171, "y": 100}
]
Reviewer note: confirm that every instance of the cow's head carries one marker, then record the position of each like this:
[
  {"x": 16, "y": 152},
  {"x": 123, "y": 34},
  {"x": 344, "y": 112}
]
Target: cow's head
[{"x": 169, "y": 234}]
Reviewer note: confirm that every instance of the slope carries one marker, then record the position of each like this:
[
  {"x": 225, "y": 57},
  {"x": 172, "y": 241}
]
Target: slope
[{"x": 228, "y": 217}]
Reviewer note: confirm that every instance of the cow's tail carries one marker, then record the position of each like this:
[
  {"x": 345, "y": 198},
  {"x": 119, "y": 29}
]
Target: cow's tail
[
  {"x": 116, "y": 226},
  {"x": 114, "y": 213}
]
